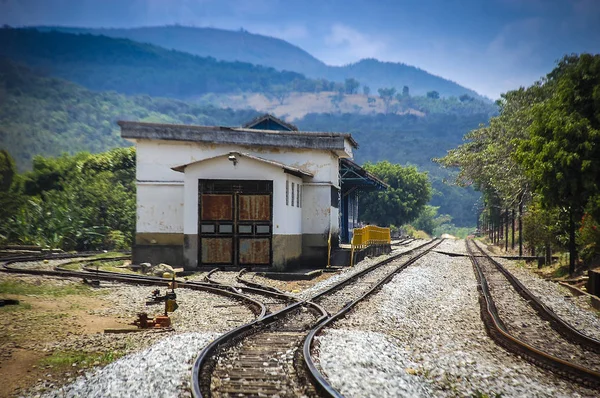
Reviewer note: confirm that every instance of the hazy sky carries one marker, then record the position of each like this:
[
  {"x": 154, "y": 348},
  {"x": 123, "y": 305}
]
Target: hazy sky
[{"x": 490, "y": 46}]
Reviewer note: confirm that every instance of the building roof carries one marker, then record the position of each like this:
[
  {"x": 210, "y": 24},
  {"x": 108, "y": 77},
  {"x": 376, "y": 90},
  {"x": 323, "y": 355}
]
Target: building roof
[
  {"x": 354, "y": 176},
  {"x": 239, "y": 136},
  {"x": 267, "y": 117},
  {"x": 288, "y": 169}
]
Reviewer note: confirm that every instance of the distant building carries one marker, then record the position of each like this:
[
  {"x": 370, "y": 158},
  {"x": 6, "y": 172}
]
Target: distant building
[{"x": 263, "y": 195}]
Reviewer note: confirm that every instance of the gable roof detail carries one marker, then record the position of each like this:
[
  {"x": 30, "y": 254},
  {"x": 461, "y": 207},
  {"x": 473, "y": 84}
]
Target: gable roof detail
[
  {"x": 271, "y": 120},
  {"x": 288, "y": 169}
]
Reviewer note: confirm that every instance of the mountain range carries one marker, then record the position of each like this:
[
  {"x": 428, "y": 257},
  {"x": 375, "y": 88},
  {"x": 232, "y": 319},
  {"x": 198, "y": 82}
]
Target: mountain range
[
  {"x": 126, "y": 66},
  {"x": 257, "y": 49}
]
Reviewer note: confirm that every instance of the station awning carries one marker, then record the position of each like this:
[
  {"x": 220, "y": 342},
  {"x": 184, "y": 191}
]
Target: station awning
[{"x": 354, "y": 177}]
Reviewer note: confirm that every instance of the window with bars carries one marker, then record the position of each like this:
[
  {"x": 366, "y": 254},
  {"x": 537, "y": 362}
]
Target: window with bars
[
  {"x": 298, "y": 195},
  {"x": 292, "y": 194},
  {"x": 287, "y": 193}
]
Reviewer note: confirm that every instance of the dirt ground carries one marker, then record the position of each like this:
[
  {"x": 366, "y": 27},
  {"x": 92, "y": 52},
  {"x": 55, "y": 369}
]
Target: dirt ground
[{"x": 40, "y": 319}]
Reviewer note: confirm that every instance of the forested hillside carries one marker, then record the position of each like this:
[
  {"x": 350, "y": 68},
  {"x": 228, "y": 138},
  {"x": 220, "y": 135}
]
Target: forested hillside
[
  {"x": 49, "y": 116},
  {"x": 102, "y": 63},
  {"x": 269, "y": 51},
  {"x": 226, "y": 45},
  {"x": 409, "y": 139}
]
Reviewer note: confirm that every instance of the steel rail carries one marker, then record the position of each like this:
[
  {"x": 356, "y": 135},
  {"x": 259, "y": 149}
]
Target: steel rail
[
  {"x": 255, "y": 288},
  {"x": 202, "y": 363},
  {"x": 557, "y": 323},
  {"x": 256, "y": 284},
  {"x": 258, "y": 307},
  {"x": 498, "y": 332},
  {"x": 210, "y": 283},
  {"x": 324, "y": 387}
]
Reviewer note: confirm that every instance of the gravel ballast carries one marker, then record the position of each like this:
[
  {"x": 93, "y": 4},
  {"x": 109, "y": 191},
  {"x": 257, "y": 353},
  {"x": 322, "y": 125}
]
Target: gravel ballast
[
  {"x": 162, "y": 370},
  {"x": 430, "y": 313},
  {"x": 348, "y": 272}
]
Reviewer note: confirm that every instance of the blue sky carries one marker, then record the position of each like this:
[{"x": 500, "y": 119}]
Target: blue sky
[{"x": 491, "y": 46}]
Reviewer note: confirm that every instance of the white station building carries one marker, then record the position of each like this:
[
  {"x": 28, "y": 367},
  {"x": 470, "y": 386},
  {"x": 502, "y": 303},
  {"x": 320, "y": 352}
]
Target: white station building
[{"x": 263, "y": 195}]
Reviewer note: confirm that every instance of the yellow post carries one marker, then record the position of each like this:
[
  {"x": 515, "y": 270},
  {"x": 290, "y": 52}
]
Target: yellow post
[{"x": 329, "y": 249}]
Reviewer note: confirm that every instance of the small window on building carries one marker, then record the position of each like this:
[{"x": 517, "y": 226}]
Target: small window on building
[
  {"x": 301, "y": 189},
  {"x": 293, "y": 194},
  {"x": 225, "y": 228},
  {"x": 207, "y": 228},
  {"x": 263, "y": 229},
  {"x": 287, "y": 193},
  {"x": 335, "y": 197},
  {"x": 245, "y": 229},
  {"x": 298, "y": 195}
]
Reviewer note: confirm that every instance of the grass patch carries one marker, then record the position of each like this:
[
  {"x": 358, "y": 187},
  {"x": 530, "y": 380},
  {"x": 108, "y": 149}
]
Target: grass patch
[
  {"x": 112, "y": 266},
  {"x": 60, "y": 359},
  {"x": 14, "y": 308},
  {"x": 109, "y": 254},
  {"x": 75, "y": 266},
  {"x": 29, "y": 289},
  {"x": 560, "y": 271}
]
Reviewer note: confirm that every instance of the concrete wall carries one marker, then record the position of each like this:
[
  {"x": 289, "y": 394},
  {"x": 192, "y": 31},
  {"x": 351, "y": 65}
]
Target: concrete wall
[
  {"x": 155, "y": 158},
  {"x": 167, "y": 200},
  {"x": 160, "y": 207}
]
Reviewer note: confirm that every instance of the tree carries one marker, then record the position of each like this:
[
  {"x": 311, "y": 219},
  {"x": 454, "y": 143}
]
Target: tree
[
  {"x": 562, "y": 152},
  {"x": 351, "y": 86},
  {"x": 10, "y": 200},
  {"x": 7, "y": 170},
  {"x": 427, "y": 220},
  {"x": 88, "y": 201},
  {"x": 337, "y": 99},
  {"x": 280, "y": 93},
  {"x": 466, "y": 98},
  {"x": 405, "y": 92},
  {"x": 541, "y": 227},
  {"x": 433, "y": 95},
  {"x": 366, "y": 90},
  {"x": 387, "y": 95},
  {"x": 409, "y": 191}
]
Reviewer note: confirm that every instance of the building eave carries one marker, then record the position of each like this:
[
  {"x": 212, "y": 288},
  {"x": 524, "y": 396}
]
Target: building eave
[
  {"x": 355, "y": 176},
  {"x": 237, "y": 136}
]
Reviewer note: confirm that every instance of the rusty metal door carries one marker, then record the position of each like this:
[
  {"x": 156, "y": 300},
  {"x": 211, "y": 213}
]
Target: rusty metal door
[{"x": 235, "y": 222}]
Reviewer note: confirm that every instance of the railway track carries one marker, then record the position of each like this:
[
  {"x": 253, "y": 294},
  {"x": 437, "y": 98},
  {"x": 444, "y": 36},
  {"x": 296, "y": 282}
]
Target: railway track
[
  {"x": 521, "y": 323},
  {"x": 265, "y": 358},
  {"x": 87, "y": 272},
  {"x": 274, "y": 299}
]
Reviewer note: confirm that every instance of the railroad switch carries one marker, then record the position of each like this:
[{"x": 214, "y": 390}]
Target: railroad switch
[{"x": 160, "y": 321}]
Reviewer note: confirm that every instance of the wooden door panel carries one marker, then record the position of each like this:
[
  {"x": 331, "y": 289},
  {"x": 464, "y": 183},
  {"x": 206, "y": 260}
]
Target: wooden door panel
[
  {"x": 217, "y": 250},
  {"x": 216, "y": 207},
  {"x": 254, "y": 207},
  {"x": 254, "y": 251}
]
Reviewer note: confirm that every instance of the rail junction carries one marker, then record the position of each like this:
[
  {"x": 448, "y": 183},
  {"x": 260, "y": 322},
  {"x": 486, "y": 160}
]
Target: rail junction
[{"x": 277, "y": 353}]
